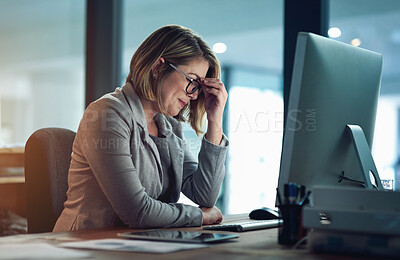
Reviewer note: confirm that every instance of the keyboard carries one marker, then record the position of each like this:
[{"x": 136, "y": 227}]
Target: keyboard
[{"x": 246, "y": 226}]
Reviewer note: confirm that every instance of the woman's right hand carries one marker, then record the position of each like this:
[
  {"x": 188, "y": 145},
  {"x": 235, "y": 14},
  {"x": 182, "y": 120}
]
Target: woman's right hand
[{"x": 211, "y": 215}]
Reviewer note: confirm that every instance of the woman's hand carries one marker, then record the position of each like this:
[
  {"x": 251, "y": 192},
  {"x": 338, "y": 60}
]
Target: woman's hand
[
  {"x": 215, "y": 99},
  {"x": 211, "y": 215}
]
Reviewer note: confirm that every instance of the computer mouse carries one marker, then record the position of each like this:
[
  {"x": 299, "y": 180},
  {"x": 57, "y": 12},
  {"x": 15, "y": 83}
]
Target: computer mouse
[{"x": 264, "y": 214}]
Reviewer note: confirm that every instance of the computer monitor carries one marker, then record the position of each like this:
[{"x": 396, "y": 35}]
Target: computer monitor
[{"x": 331, "y": 115}]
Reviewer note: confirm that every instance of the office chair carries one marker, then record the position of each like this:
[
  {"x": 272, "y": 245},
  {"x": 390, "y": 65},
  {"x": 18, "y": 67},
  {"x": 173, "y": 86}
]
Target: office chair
[{"x": 47, "y": 159}]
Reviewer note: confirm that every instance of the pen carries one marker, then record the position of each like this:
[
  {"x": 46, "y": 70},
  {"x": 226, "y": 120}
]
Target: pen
[
  {"x": 302, "y": 192},
  {"x": 286, "y": 193},
  {"x": 293, "y": 193},
  {"x": 305, "y": 198}
]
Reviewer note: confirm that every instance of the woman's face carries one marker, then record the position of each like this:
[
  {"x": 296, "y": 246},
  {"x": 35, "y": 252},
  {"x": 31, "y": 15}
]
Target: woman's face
[{"x": 173, "y": 90}]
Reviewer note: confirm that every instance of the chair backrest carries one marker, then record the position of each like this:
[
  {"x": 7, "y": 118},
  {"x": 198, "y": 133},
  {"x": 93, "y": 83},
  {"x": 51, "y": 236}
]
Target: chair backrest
[{"x": 47, "y": 160}]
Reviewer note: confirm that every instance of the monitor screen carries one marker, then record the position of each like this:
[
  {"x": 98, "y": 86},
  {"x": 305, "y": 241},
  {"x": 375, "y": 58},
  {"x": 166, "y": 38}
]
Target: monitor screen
[{"x": 333, "y": 85}]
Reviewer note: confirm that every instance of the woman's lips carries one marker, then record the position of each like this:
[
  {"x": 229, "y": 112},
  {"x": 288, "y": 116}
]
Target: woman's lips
[{"x": 183, "y": 104}]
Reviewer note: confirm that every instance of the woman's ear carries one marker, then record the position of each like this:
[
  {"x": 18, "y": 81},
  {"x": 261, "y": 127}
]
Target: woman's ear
[{"x": 159, "y": 62}]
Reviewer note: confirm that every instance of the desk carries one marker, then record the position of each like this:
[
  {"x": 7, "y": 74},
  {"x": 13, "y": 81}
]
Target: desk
[{"x": 261, "y": 244}]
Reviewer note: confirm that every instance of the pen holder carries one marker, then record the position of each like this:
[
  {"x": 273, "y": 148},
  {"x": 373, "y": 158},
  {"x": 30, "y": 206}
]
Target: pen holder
[{"x": 291, "y": 230}]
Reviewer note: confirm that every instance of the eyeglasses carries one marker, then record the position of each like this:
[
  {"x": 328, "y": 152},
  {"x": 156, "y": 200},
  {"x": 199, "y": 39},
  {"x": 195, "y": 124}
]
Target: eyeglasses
[{"x": 193, "y": 85}]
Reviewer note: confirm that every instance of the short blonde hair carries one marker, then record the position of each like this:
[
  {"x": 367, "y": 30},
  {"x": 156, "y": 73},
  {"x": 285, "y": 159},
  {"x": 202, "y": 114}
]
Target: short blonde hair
[{"x": 178, "y": 45}]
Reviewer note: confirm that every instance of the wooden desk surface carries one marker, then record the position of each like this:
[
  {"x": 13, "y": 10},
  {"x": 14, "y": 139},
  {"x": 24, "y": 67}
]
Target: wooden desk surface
[{"x": 260, "y": 244}]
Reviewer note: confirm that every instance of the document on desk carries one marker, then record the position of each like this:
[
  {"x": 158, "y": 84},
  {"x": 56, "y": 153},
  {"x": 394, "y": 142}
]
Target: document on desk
[
  {"x": 39, "y": 251},
  {"x": 132, "y": 245}
]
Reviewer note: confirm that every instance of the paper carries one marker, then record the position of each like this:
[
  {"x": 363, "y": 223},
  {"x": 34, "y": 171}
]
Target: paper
[
  {"x": 39, "y": 251},
  {"x": 132, "y": 245}
]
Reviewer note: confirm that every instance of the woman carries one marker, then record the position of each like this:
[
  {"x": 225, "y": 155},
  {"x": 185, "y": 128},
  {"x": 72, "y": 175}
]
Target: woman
[{"x": 130, "y": 160}]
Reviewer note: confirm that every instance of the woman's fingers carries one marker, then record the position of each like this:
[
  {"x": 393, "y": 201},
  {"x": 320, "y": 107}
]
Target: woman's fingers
[
  {"x": 214, "y": 86},
  {"x": 214, "y": 83},
  {"x": 213, "y": 91}
]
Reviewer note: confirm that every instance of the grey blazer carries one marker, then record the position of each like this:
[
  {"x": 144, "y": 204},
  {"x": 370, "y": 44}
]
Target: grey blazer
[{"x": 116, "y": 176}]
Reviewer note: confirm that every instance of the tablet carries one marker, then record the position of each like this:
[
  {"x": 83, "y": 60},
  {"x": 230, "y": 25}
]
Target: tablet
[{"x": 177, "y": 236}]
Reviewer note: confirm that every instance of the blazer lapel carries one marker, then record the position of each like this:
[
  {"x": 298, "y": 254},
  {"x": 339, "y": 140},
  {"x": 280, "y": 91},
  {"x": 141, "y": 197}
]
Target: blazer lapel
[
  {"x": 175, "y": 146},
  {"x": 138, "y": 112}
]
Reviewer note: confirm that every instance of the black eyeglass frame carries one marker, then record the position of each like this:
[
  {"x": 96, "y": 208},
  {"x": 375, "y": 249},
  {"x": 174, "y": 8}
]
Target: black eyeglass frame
[{"x": 191, "y": 80}]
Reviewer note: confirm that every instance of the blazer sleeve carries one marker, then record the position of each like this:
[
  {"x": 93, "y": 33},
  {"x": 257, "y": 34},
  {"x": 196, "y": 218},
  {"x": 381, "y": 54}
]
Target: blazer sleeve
[
  {"x": 202, "y": 180},
  {"x": 113, "y": 168}
]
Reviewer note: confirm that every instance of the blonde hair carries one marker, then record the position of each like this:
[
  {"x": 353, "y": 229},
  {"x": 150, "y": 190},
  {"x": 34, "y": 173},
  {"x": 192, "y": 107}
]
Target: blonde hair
[{"x": 178, "y": 45}]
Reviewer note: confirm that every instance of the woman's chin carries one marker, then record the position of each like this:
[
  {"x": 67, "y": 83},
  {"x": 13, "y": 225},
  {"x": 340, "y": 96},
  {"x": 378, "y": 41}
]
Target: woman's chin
[
  {"x": 172, "y": 113},
  {"x": 175, "y": 114}
]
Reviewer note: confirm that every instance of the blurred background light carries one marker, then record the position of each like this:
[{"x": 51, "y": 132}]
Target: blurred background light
[
  {"x": 356, "y": 42},
  {"x": 334, "y": 32},
  {"x": 219, "y": 47}
]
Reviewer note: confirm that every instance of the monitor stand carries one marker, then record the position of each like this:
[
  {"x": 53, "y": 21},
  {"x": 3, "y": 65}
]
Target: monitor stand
[{"x": 364, "y": 157}]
